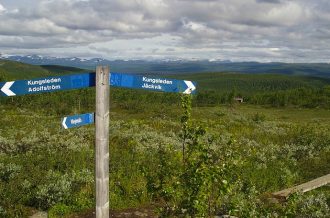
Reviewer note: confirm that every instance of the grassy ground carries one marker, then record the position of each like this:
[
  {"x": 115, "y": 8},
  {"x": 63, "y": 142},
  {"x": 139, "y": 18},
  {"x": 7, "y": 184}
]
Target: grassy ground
[
  {"x": 11, "y": 70},
  {"x": 296, "y": 115},
  {"x": 46, "y": 167}
]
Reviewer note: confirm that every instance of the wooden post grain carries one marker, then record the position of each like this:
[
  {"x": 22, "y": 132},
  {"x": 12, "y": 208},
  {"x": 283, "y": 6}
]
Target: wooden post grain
[{"x": 102, "y": 142}]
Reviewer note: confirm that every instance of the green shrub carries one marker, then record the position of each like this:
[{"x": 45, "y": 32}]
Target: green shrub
[
  {"x": 59, "y": 210},
  {"x": 57, "y": 189},
  {"x": 258, "y": 117}
]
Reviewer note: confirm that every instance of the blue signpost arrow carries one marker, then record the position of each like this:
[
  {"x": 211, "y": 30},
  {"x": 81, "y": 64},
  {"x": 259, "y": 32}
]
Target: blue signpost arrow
[
  {"x": 77, "y": 120},
  {"x": 77, "y": 81},
  {"x": 152, "y": 84},
  {"x": 47, "y": 84}
]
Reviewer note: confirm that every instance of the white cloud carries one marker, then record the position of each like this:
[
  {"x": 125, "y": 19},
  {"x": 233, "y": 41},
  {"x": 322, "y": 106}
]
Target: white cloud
[
  {"x": 2, "y": 8},
  {"x": 274, "y": 49},
  {"x": 233, "y": 29},
  {"x": 290, "y": 13}
]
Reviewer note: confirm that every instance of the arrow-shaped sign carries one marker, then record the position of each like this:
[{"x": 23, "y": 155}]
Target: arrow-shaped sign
[
  {"x": 77, "y": 81},
  {"x": 47, "y": 84},
  {"x": 77, "y": 120},
  {"x": 6, "y": 89},
  {"x": 152, "y": 83},
  {"x": 190, "y": 87}
]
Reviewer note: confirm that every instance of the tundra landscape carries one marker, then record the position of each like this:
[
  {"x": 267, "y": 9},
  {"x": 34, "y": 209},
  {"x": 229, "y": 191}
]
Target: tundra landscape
[{"x": 207, "y": 108}]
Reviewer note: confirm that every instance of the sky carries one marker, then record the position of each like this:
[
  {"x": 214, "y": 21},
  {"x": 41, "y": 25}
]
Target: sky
[{"x": 236, "y": 30}]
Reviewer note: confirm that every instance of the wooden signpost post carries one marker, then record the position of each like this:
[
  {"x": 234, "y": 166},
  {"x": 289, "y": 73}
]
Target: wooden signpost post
[
  {"x": 102, "y": 79},
  {"x": 102, "y": 142}
]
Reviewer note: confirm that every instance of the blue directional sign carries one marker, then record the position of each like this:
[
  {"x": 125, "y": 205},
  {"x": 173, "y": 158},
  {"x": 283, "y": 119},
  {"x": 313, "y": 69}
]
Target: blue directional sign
[
  {"x": 152, "y": 84},
  {"x": 77, "y": 120},
  {"x": 77, "y": 81},
  {"x": 48, "y": 84}
]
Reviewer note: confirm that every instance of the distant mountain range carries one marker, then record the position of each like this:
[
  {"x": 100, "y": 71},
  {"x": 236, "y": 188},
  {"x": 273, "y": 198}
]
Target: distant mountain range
[{"x": 180, "y": 66}]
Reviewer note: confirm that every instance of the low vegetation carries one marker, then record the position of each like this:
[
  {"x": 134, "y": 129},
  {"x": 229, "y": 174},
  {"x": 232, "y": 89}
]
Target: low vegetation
[{"x": 171, "y": 153}]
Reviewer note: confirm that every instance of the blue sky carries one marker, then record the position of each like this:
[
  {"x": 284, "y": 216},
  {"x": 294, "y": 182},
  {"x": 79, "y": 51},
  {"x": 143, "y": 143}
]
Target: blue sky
[{"x": 237, "y": 30}]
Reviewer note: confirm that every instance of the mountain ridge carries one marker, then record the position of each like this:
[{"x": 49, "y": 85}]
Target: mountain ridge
[{"x": 179, "y": 66}]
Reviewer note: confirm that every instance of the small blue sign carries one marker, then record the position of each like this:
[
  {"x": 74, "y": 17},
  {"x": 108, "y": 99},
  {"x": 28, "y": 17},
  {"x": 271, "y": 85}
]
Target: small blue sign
[
  {"x": 77, "y": 120},
  {"x": 78, "y": 81},
  {"x": 152, "y": 84}
]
